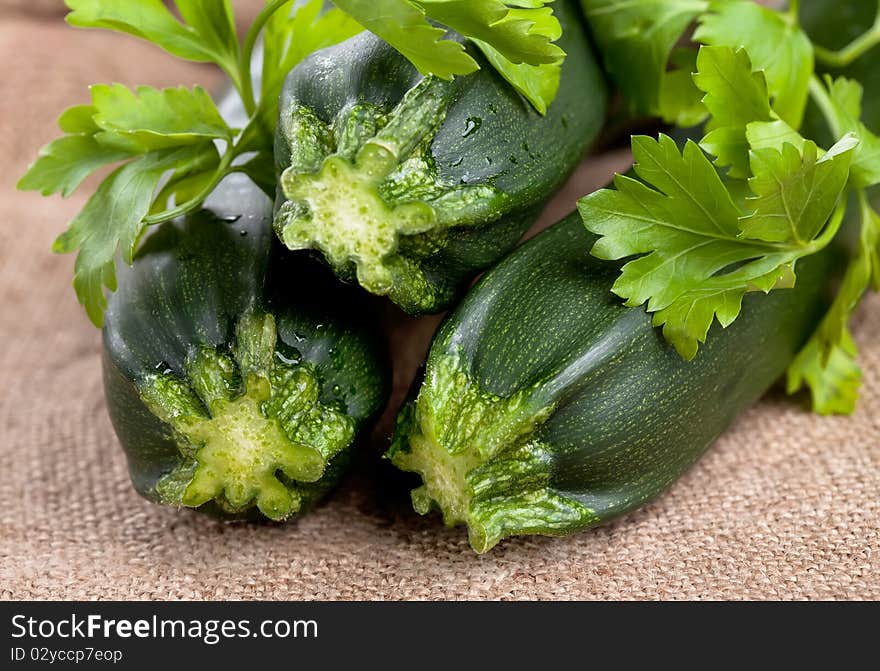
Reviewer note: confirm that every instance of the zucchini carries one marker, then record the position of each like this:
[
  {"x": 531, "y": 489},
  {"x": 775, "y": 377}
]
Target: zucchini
[
  {"x": 227, "y": 395},
  {"x": 548, "y": 407},
  {"x": 412, "y": 184}
]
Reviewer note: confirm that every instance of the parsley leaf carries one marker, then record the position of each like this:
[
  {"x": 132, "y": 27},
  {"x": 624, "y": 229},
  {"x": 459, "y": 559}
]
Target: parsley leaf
[
  {"x": 113, "y": 217},
  {"x": 405, "y": 27},
  {"x": 846, "y": 98},
  {"x": 796, "y": 191},
  {"x": 636, "y": 40},
  {"x": 827, "y": 363},
  {"x": 518, "y": 43},
  {"x": 735, "y": 97},
  {"x": 833, "y": 377},
  {"x": 156, "y": 131},
  {"x": 701, "y": 241},
  {"x": 291, "y": 35},
  {"x": 118, "y": 125},
  {"x": 681, "y": 102},
  {"x": 696, "y": 259},
  {"x": 168, "y": 137},
  {"x": 539, "y": 84},
  {"x": 207, "y": 34},
  {"x": 520, "y": 32},
  {"x": 517, "y": 37},
  {"x": 157, "y": 119},
  {"x": 762, "y": 134},
  {"x": 774, "y": 42},
  {"x": 64, "y": 163}
]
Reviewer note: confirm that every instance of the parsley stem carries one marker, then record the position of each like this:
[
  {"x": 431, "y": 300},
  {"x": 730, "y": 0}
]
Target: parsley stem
[
  {"x": 223, "y": 169},
  {"x": 852, "y": 51},
  {"x": 820, "y": 243},
  {"x": 246, "y": 89},
  {"x": 865, "y": 208},
  {"x": 244, "y": 84},
  {"x": 823, "y": 101}
]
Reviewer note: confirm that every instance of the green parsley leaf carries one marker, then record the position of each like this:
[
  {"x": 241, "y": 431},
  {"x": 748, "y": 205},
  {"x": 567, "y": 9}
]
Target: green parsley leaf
[
  {"x": 772, "y": 134},
  {"x": 681, "y": 102},
  {"x": 157, "y": 132},
  {"x": 776, "y": 44},
  {"x": 169, "y": 138},
  {"x": 214, "y": 22},
  {"x": 695, "y": 262},
  {"x": 517, "y": 42},
  {"x": 796, "y": 192},
  {"x": 118, "y": 125},
  {"x": 64, "y": 163},
  {"x": 846, "y": 98},
  {"x": 113, "y": 218},
  {"x": 405, "y": 27},
  {"x": 207, "y": 34},
  {"x": 834, "y": 378},
  {"x": 188, "y": 179},
  {"x": 290, "y": 35},
  {"x": 516, "y": 36},
  {"x": 539, "y": 84},
  {"x": 521, "y": 33},
  {"x": 827, "y": 363},
  {"x": 735, "y": 97},
  {"x": 78, "y": 119},
  {"x": 158, "y": 119},
  {"x": 636, "y": 40},
  {"x": 702, "y": 242}
]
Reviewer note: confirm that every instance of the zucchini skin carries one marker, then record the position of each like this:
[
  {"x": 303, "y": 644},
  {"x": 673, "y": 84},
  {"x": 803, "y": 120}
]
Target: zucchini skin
[
  {"x": 551, "y": 407},
  {"x": 471, "y": 162},
  {"x": 193, "y": 286}
]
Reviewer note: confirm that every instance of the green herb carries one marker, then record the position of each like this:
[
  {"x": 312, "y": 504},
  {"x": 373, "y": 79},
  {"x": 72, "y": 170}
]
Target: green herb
[
  {"x": 704, "y": 234},
  {"x": 827, "y": 364},
  {"x": 516, "y": 37},
  {"x": 692, "y": 232},
  {"x": 169, "y": 135},
  {"x": 636, "y": 40},
  {"x": 775, "y": 44},
  {"x": 735, "y": 96},
  {"x": 171, "y": 148},
  {"x": 843, "y": 107}
]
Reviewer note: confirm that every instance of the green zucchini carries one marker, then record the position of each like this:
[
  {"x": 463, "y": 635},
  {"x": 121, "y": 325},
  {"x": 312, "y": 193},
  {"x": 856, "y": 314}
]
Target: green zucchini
[
  {"x": 412, "y": 184},
  {"x": 548, "y": 407},
  {"x": 226, "y": 394}
]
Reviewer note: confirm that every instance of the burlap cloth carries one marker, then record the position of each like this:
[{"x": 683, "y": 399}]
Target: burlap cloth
[{"x": 784, "y": 506}]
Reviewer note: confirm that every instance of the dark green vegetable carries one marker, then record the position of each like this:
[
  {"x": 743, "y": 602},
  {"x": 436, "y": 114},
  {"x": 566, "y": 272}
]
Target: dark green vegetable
[
  {"x": 548, "y": 407},
  {"x": 226, "y": 394},
  {"x": 410, "y": 184}
]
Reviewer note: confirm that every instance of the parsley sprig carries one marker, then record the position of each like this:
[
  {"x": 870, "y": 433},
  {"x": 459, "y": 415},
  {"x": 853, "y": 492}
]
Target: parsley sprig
[
  {"x": 170, "y": 148},
  {"x": 735, "y": 212},
  {"x": 516, "y": 36}
]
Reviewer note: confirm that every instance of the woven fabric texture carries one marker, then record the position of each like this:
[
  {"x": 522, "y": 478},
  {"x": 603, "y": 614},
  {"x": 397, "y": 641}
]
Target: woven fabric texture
[{"x": 785, "y": 505}]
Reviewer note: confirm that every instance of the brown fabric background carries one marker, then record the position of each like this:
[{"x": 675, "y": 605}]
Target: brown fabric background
[{"x": 786, "y": 505}]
